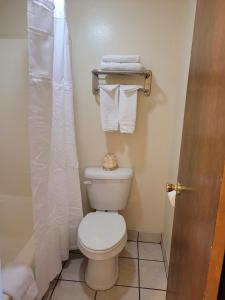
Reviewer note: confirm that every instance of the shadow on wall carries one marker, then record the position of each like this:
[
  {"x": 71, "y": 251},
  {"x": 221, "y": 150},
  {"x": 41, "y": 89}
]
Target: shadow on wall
[{"x": 134, "y": 145}]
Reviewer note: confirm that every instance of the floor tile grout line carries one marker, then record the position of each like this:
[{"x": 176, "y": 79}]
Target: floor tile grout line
[
  {"x": 57, "y": 280},
  {"x": 95, "y": 295},
  {"x": 149, "y": 242},
  {"x": 146, "y": 288},
  {"x": 141, "y": 287},
  {"x": 127, "y": 286},
  {"x": 70, "y": 280},
  {"x": 157, "y": 243},
  {"x": 156, "y": 260},
  {"x": 164, "y": 261},
  {"x": 136, "y": 258},
  {"x": 139, "y": 291}
]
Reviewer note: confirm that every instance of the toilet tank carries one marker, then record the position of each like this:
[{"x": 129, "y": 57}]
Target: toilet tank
[{"x": 108, "y": 190}]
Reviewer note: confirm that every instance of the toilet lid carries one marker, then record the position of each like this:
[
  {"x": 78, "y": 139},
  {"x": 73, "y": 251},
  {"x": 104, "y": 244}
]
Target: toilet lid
[{"x": 100, "y": 231}]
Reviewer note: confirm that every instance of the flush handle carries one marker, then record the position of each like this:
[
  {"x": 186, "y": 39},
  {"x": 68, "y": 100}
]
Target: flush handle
[
  {"x": 87, "y": 182},
  {"x": 178, "y": 187}
]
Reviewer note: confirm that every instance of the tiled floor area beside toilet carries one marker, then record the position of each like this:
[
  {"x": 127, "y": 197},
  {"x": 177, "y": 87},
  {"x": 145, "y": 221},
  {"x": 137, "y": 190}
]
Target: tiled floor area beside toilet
[{"x": 142, "y": 274}]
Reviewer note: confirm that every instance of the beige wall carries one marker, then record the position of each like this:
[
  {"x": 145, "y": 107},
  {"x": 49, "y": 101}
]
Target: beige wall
[
  {"x": 14, "y": 163},
  {"x": 13, "y": 18},
  {"x": 154, "y": 29},
  {"x": 14, "y": 155},
  {"x": 178, "y": 125},
  {"x": 157, "y": 31}
]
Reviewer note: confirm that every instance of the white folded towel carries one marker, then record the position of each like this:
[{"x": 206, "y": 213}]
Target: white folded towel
[
  {"x": 128, "y": 107},
  {"x": 113, "y": 66},
  {"x": 121, "y": 58},
  {"x": 109, "y": 107},
  {"x": 18, "y": 282}
]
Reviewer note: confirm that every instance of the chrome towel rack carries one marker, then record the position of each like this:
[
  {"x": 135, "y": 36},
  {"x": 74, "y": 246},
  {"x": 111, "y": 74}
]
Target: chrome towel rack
[{"x": 147, "y": 74}]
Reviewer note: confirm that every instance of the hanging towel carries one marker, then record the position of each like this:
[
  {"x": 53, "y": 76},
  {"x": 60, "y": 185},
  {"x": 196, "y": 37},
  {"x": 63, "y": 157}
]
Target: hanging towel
[
  {"x": 113, "y": 66},
  {"x": 109, "y": 107},
  {"x": 121, "y": 58},
  {"x": 18, "y": 282},
  {"x": 128, "y": 107}
]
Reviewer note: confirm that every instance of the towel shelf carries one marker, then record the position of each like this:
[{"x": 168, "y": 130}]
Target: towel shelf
[{"x": 146, "y": 73}]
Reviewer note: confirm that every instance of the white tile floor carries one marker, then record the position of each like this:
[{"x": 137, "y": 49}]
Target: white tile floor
[{"x": 142, "y": 275}]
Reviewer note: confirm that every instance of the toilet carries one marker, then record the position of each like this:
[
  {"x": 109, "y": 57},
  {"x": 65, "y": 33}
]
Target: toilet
[{"x": 102, "y": 234}]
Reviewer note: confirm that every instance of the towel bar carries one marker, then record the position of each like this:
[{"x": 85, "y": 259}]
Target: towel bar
[{"x": 146, "y": 73}]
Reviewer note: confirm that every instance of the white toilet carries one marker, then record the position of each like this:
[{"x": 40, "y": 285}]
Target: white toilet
[{"x": 102, "y": 234}]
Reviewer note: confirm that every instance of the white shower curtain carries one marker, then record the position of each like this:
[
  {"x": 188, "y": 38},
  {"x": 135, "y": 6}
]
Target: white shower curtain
[{"x": 57, "y": 206}]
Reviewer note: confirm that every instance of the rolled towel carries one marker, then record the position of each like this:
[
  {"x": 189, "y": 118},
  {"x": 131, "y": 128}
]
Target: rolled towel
[
  {"x": 128, "y": 107},
  {"x": 121, "y": 66},
  {"x": 121, "y": 58},
  {"x": 18, "y": 282},
  {"x": 109, "y": 107}
]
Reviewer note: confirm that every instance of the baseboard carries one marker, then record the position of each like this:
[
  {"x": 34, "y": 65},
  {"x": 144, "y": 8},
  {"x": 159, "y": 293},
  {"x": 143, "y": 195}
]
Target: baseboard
[{"x": 165, "y": 257}]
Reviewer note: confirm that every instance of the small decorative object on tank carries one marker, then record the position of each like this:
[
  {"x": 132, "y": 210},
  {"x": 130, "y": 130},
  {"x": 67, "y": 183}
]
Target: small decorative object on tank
[{"x": 110, "y": 162}]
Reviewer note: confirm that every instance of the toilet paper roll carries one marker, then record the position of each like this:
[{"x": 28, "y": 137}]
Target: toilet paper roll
[{"x": 172, "y": 197}]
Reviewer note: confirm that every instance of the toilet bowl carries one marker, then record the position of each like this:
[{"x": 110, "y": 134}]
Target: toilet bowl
[
  {"x": 101, "y": 237},
  {"x": 102, "y": 234}
]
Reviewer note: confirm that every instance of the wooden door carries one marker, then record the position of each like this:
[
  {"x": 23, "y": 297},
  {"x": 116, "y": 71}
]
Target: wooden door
[{"x": 198, "y": 231}]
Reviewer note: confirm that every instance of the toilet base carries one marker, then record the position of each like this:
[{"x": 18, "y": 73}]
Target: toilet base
[{"x": 102, "y": 274}]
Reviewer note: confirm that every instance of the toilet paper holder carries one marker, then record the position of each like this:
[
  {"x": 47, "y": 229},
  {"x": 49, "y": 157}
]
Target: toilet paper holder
[{"x": 178, "y": 187}]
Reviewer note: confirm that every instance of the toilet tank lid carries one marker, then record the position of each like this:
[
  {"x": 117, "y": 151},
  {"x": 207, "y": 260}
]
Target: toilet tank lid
[{"x": 100, "y": 173}]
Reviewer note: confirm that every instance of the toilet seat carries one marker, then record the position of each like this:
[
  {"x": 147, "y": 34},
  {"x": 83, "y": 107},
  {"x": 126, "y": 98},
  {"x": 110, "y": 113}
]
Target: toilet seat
[{"x": 101, "y": 231}]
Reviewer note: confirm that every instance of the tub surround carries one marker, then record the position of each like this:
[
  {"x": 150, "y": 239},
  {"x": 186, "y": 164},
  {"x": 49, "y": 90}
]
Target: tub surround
[
  {"x": 15, "y": 225},
  {"x": 16, "y": 240},
  {"x": 26, "y": 257}
]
